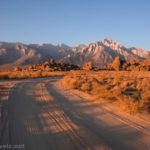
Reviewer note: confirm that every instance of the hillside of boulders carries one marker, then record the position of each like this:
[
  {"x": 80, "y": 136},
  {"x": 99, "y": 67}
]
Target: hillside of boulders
[
  {"x": 49, "y": 65},
  {"x": 134, "y": 64},
  {"x": 46, "y": 69}
]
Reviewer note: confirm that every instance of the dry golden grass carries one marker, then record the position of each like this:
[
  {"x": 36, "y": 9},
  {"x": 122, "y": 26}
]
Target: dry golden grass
[
  {"x": 29, "y": 74},
  {"x": 129, "y": 89},
  {"x": 3, "y": 75}
]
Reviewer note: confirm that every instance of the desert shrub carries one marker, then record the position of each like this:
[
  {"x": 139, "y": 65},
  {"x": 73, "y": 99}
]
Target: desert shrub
[
  {"x": 12, "y": 75},
  {"x": 128, "y": 104},
  {"x": 117, "y": 91},
  {"x": 4, "y": 76},
  {"x": 86, "y": 86},
  {"x": 129, "y": 89},
  {"x": 87, "y": 66},
  {"x": 17, "y": 69},
  {"x": 35, "y": 74},
  {"x": 74, "y": 83},
  {"x": 70, "y": 82},
  {"x": 145, "y": 102}
]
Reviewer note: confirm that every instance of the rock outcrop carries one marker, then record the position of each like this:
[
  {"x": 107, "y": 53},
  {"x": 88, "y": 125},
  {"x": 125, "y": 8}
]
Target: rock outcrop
[
  {"x": 51, "y": 65},
  {"x": 87, "y": 66},
  {"x": 117, "y": 64},
  {"x": 133, "y": 64}
]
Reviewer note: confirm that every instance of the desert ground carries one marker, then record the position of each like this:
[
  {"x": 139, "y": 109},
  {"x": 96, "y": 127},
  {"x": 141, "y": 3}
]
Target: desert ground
[{"x": 43, "y": 114}]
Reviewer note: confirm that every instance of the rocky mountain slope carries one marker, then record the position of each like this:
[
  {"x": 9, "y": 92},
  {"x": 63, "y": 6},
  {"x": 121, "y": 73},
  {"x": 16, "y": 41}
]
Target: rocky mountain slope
[
  {"x": 16, "y": 54},
  {"x": 100, "y": 53}
]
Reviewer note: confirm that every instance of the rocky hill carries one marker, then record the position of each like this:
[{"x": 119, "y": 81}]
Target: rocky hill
[{"x": 134, "y": 64}]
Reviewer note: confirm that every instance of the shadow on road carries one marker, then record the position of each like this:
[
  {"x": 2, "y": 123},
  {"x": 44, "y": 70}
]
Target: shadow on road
[{"x": 41, "y": 117}]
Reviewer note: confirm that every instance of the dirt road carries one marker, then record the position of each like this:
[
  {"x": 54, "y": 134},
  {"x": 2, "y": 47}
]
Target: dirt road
[{"x": 40, "y": 115}]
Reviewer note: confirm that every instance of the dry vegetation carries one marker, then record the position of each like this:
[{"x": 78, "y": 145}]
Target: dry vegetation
[
  {"x": 29, "y": 74},
  {"x": 129, "y": 89},
  {"x": 46, "y": 69},
  {"x": 133, "y": 64}
]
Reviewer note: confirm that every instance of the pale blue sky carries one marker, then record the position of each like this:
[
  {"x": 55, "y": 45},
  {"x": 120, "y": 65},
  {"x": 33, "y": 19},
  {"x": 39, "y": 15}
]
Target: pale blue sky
[{"x": 75, "y": 21}]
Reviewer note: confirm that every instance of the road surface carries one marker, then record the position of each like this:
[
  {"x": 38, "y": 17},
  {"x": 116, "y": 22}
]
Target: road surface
[{"x": 38, "y": 114}]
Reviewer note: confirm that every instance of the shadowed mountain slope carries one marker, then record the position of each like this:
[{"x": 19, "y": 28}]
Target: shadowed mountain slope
[{"x": 100, "y": 53}]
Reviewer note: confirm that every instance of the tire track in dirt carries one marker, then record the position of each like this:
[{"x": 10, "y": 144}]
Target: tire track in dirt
[
  {"x": 43, "y": 116},
  {"x": 63, "y": 123},
  {"x": 141, "y": 138}
]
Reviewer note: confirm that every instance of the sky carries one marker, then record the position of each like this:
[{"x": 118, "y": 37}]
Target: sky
[{"x": 75, "y": 21}]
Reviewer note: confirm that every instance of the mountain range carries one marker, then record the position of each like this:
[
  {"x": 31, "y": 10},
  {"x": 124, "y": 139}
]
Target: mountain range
[{"x": 100, "y": 53}]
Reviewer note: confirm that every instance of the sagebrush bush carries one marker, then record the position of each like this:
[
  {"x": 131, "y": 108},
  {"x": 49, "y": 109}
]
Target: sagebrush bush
[
  {"x": 29, "y": 74},
  {"x": 129, "y": 89},
  {"x": 86, "y": 87}
]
